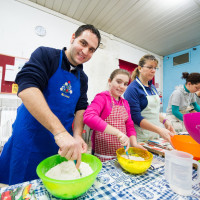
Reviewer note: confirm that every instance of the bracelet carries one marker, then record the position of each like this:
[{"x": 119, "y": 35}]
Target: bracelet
[{"x": 164, "y": 121}]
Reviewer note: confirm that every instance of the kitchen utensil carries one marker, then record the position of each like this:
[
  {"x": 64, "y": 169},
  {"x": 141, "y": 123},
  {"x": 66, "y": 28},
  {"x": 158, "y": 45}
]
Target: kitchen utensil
[
  {"x": 126, "y": 152},
  {"x": 178, "y": 171},
  {"x": 134, "y": 166},
  {"x": 192, "y": 125},
  {"x": 187, "y": 144},
  {"x": 78, "y": 169},
  {"x": 70, "y": 188}
]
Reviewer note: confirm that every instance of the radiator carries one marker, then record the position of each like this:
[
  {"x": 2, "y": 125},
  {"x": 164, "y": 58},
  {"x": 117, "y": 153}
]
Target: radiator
[{"x": 8, "y": 116}]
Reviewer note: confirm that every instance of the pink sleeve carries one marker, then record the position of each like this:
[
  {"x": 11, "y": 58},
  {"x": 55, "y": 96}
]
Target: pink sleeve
[
  {"x": 91, "y": 116},
  {"x": 129, "y": 123}
]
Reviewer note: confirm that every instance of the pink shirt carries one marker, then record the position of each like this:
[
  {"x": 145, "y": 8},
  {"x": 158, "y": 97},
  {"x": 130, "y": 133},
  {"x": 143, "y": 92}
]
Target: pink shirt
[{"x": 100, "y": 109}]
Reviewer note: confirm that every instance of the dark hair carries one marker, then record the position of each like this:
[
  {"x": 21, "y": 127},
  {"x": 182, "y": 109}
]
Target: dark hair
[
  {"x": 141, "y": 63},
  {"x": 193, "y": 78},
  {"x": 119, "y": 71},
  {"x": 89, "y": 27}
]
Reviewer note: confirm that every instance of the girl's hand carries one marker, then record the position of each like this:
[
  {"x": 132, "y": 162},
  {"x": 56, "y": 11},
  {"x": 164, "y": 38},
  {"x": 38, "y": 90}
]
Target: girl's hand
[
  {"x": 133, "y": 141},
  {"x": 124, "y": 140}
]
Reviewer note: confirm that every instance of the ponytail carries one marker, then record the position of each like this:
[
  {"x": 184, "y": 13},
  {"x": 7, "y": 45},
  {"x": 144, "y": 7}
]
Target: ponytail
[{"x": 134, "y": 74}]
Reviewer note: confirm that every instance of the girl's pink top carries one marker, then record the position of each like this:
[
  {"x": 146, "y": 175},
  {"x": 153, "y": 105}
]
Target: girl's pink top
[{"x": 100, "y": 109}]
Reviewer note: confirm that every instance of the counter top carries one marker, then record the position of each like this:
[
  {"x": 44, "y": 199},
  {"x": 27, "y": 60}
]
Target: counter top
[{"x": 113, "y": 183}]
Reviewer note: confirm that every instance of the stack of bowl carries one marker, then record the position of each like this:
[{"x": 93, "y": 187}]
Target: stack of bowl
[{"x": 189, "y": 143}]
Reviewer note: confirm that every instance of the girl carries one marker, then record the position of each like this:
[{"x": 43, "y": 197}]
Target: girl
[
  {"x": 109, "y": 117},
  {"x": 145, "y": 102},
  {"x": 181, "y": 100}
]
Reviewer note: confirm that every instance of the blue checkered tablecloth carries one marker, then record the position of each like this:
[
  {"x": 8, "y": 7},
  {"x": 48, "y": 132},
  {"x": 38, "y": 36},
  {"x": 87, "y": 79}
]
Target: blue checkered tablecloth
[{"x": 113, "y": 183}]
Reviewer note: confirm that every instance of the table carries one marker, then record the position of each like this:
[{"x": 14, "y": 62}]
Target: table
[{"x": 113, "y": 183}]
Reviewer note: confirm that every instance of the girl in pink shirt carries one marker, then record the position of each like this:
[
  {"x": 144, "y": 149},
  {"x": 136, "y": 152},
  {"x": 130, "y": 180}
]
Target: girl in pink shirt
[{"x": 109, "y": 117}]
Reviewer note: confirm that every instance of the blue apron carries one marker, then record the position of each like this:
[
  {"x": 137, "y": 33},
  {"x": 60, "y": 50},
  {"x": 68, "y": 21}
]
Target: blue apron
[{"x": 30, "y": 142}]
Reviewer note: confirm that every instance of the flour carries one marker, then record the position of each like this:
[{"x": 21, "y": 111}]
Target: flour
[
  {"x": 68, "y": 171},
  {"x": 133, "y": 157}
]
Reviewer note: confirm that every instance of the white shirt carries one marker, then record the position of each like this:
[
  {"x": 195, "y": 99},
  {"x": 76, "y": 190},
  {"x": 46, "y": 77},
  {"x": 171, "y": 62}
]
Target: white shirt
[{"x": 180, "y": 98}]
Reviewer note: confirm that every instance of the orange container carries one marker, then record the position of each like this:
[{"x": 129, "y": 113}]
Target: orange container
[{"x": 187, "y": 144}]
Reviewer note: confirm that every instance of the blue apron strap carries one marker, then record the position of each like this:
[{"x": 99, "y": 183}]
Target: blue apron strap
[
  {"x": 78, "y": 75},
  {"x": 60, "y": 61}
]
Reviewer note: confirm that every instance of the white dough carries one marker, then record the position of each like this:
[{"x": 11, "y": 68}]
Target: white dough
[
  {"x": 68, "y": 171},
  {"x": 133, "y": 157}
]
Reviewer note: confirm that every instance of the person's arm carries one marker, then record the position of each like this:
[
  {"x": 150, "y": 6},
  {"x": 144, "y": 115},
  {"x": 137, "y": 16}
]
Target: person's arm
[
  {"x": 80, "y": 109},
  {"x": 166, "y": 123},
  {"x": 78, "y": 129},
  {"x": 36, "y": 104},
  {"x": 42, "y": 64},
  {"x": 82, "y": 103},
  {"x": 133, "y": 142},
  {"x": 136, "y": 98},
  {"x": 124, "y": 139},
  {"x": 196, "y": 106},
  {"x": 163, "y": 132},
  {"x": 92, "y": 117},
  {"x": 176, "y": 112},
  {"x": 130, "y": 129}
]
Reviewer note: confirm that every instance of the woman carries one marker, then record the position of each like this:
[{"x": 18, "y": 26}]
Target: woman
[
  {"x": 109, "y": 116},
  {"x": 198, "y": 97},
  {"x": 181, "y": 100},
  {"x": 145, "y": 103}
]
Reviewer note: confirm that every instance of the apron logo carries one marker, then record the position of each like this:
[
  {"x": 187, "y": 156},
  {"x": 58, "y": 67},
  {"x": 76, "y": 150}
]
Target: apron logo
[{"x": 66, "y": 89}]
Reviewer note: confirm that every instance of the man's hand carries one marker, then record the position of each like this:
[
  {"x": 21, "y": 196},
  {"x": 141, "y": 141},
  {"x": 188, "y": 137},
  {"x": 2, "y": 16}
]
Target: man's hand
[
  {"x": 70, "y": 148},
  {"x": 80, "y": 140}
]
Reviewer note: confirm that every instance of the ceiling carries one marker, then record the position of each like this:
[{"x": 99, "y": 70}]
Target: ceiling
[{"x": 160, "y": 26}]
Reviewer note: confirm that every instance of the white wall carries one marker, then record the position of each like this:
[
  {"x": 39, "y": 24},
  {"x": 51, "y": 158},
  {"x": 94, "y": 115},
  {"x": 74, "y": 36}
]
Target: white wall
[{"x": 17, "y": 38}]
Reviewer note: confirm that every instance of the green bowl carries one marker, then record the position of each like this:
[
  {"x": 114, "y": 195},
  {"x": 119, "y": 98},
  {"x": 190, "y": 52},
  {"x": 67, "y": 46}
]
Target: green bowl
[{"x": 68, "y": 189}]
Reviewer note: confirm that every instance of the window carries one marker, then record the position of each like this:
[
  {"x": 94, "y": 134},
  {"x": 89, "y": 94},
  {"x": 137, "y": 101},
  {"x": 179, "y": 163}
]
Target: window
[{"x": 184, "y": 58}]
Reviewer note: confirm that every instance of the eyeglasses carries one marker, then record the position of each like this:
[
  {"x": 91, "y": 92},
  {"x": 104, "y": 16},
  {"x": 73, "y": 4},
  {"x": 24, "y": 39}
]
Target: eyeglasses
[{"x": 151, "y": 68}]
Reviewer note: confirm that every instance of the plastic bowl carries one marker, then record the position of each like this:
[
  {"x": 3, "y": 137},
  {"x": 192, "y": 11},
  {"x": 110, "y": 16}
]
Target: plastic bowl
[
  {"x": 70, "y": 188},
  {"x": 192, "y": 125},
  {"x": 187, "y": 144},
  {"x": 133, "y": 166}
]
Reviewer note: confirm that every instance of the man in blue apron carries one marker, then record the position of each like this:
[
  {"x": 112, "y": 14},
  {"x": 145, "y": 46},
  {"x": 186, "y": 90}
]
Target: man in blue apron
[{"x": 53, "y": 87}]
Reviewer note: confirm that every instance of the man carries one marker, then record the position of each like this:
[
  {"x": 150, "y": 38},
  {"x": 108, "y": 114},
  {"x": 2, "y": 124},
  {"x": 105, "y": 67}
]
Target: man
[{"x": 53, "y": 87}]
